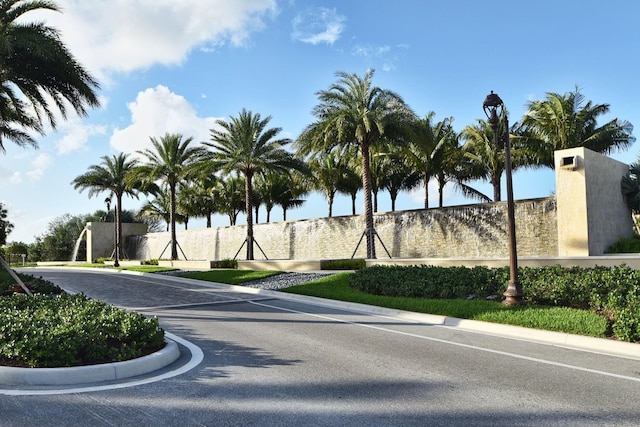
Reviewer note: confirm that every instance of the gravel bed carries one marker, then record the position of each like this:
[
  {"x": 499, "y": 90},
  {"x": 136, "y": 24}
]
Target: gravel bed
[
  {"x": 285, "y": 280},
  {"x": 279, "y": 281}
]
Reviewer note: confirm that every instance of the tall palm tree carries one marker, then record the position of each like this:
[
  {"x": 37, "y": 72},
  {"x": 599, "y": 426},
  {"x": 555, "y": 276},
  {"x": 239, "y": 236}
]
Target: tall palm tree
[
  {"x": 172, "y": 161},
  {"x": 37, "y": 70},
  {"x": 562, "y": 121},
  {"x": 353, "y": 111},
  {"x": 245, "y": 145},
  {"x": 115, "y": 175}
]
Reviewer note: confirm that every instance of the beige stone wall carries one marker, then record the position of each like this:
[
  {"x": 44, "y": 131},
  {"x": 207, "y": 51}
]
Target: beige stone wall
[
  {"x": 469, "y": 231},
  {"x": 592, "y": 213}
]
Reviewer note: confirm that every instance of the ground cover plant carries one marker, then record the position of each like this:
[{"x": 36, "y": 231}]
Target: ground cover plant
[{"x": 54, "y": 329}]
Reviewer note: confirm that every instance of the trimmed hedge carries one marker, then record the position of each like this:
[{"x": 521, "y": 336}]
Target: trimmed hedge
[
  {"x": 72, "y": 330},
  {"x": 613, "y": 292},
  {"x": 37, "y": 285}
]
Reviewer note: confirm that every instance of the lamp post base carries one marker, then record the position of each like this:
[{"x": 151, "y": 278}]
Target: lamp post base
[{"x": 513, "y": 295}]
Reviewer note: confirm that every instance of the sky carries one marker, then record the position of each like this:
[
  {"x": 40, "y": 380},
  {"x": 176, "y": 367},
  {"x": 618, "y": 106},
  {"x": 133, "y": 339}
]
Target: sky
[{"x": 179, "y": 65}]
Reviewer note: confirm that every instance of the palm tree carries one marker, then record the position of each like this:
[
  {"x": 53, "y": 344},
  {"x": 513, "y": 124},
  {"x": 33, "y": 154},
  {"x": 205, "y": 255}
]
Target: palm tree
[
  {"x": 37, "y": 70},
  {"x": 115, "y": 175},
  {"x": 565, "y": 121},
  {"x": 228, "y": 195},
  {"x": 245, "y": 145},
  {"x": 172, "y": 161},
  {"x": 353, "y": 111},
  {"x": 396, "y": 173},
  {"x": 291, "y": 198},
  {"x": 484, "y": 158},
  {"x": 327, "y": 171},
  {"x": 159, "y": 209},
  {"x": 426, "y": 151}
]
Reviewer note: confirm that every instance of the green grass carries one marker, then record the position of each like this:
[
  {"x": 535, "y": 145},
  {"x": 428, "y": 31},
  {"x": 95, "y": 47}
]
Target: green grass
[
  {"x": 231, "y": 277},
  {"x": 558, "y": 319},
  {"x": 147, "y": 268}
]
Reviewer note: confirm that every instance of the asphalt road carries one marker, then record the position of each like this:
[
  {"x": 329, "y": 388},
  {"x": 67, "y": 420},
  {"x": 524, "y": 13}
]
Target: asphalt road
[{"x": 277, "y": 362}]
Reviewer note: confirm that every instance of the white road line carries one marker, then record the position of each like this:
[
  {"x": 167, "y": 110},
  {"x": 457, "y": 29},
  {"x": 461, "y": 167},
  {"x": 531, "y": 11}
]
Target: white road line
[
  {"x": 472, "y": 347},
  {"x": 196, "y": 358}
]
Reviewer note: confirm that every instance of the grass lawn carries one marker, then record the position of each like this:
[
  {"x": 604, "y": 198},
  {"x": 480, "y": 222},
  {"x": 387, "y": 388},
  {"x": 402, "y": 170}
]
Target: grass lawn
[
  {"x": 231, "y": 277},
  {"x": 560, "y": 319}
]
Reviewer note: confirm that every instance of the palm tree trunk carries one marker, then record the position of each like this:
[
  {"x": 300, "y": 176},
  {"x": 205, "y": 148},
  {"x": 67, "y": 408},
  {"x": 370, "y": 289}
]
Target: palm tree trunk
[
  {"x": 172, "y": 221},
  {"x": 353, "y": 203},
  {"x": 284, "y": 213},
  {"x": 427, "y": 178},
  {"x": 394, "y": 195},
  {"x": 496, "y": 189},
  {"x": 375, "y": 201},
  {"x": 118, "y": 251},
  {"x": 248, "y": 192},
  {"x": 368, "y": 206},
  {"x": 330, "y": 203}
]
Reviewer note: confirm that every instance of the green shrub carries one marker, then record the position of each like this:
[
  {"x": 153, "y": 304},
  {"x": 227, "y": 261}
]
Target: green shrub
[
  {"x": 225, "y": 263},
  {"x": 612, "y": 292},
  {"x": 625, "y": 246},
  {"x": 150, "y": 262},
  {"x": 426, "y": 281},
  {"x": 343, "y": 264},
  {"x": 72, "y": 330}
]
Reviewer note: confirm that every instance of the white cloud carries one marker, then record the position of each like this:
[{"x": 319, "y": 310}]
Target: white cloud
[
  {"x": 383, "y": 53},
  {"x": 124, "y": 35},
  {"x": 39, "y": 165},
  {"x": 157, "y": 111},
  {"x": 76, "y": 135},
  {"x": 318, "y": 25},
  {"x": 11, "y": 177}
]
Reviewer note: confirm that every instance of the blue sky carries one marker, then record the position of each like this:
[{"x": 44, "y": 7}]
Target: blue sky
[{"x": 178, "y": 65}]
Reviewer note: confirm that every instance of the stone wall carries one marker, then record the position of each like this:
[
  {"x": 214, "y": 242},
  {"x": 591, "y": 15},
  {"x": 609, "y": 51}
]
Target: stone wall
[{"x": 469, "y": 231}]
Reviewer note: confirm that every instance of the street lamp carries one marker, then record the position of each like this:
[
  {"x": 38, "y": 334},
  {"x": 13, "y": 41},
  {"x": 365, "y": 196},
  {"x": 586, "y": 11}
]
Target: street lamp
[
  {"x": 493, "y": 103},
  {"x": 107, "y": 202}
]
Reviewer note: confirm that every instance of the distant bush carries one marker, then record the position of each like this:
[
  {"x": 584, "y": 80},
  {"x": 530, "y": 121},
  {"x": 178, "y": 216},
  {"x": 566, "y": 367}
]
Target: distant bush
[
  {"x": 343, "y": 264},
  {"x": 150, "y": 262},
  {"x": 225, "y": 263},
  {"x": 613, "y": 292},
  {"x": 625, "y": 246}
]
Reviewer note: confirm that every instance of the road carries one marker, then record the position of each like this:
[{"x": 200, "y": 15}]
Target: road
[{"x": 278, "y": 362}]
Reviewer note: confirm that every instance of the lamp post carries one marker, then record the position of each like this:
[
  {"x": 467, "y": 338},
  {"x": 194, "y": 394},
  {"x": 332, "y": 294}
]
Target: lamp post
[
  {"x": 513, "y": 295},
  {"x": 107, "y": 202}
]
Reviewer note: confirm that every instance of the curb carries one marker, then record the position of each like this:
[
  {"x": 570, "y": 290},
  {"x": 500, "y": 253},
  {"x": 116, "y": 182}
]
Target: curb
[{"x": 93, "y": 373}]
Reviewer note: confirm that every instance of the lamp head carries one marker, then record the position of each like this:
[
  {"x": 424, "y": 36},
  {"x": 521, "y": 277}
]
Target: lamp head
[{"x": 490, "y": 105}]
